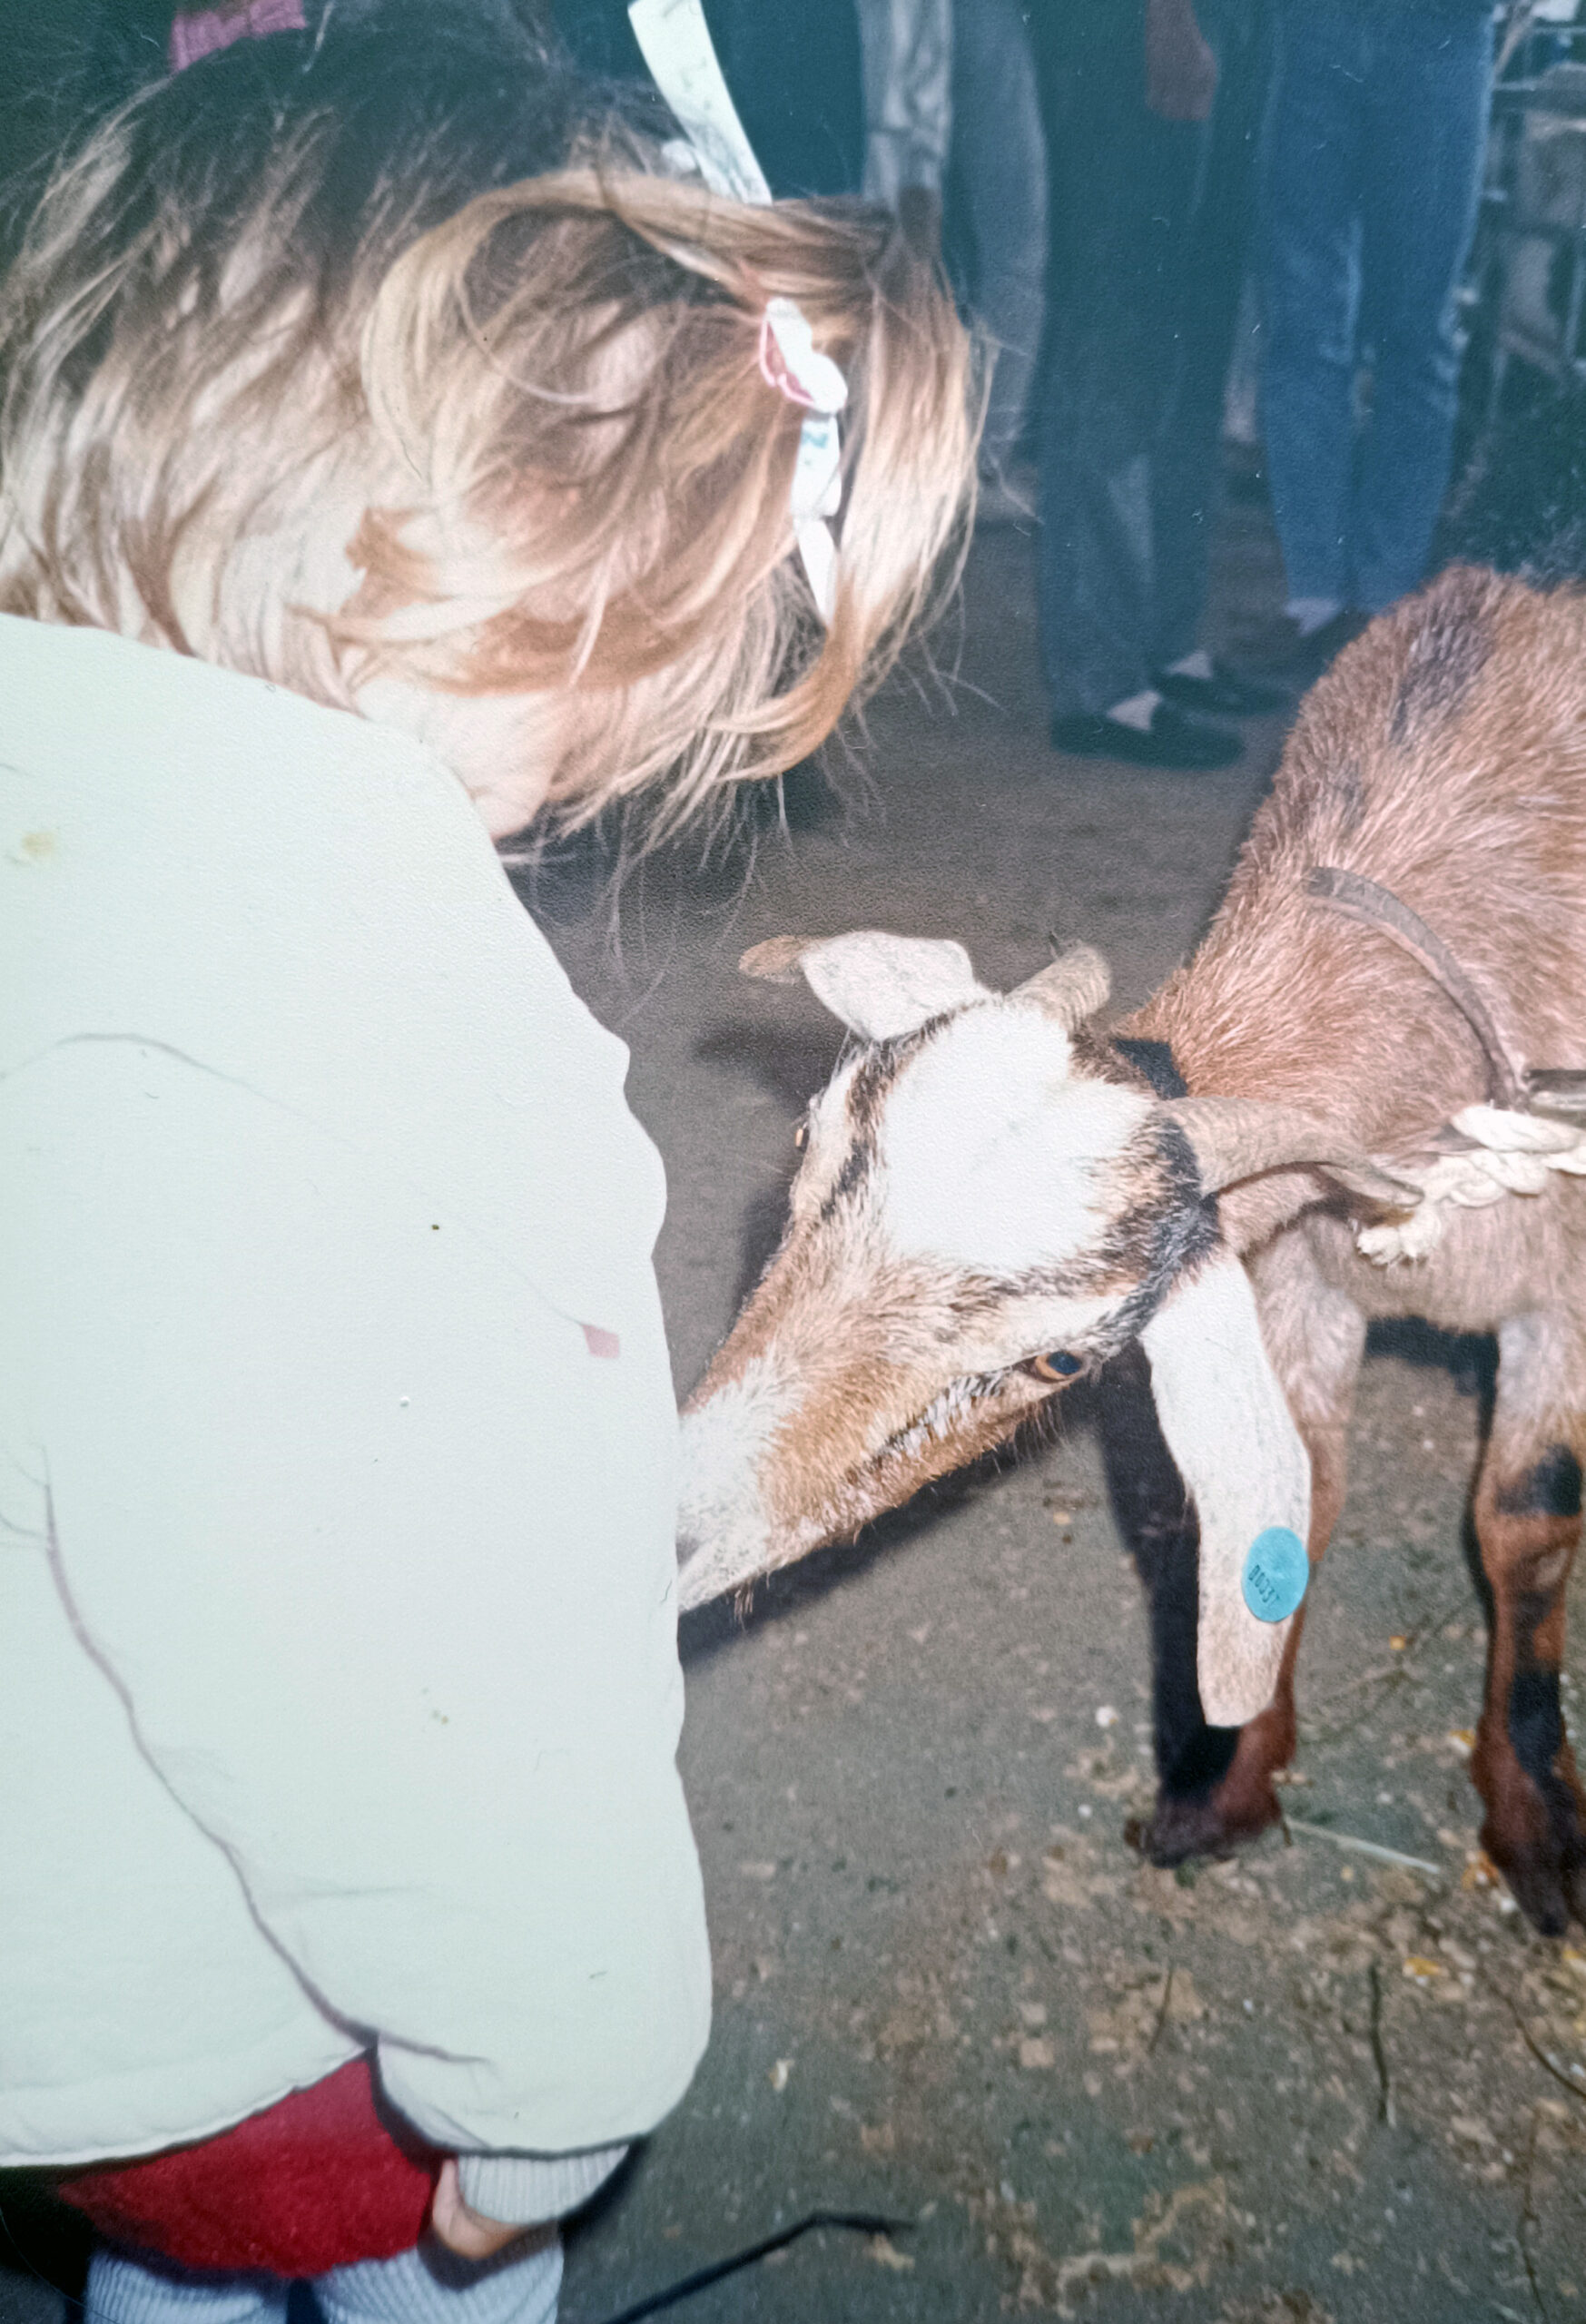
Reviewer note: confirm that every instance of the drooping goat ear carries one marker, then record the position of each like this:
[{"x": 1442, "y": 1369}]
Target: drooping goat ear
[
  {"x": 879, "y": 985},
  {"x": 1230, "y": 1432},
  {"x": 1240, "y": 1137},
  {"x": 1072, "y": 988}
]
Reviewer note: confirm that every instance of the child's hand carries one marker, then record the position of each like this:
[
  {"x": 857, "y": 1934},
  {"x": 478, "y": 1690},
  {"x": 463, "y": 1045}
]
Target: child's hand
[{"x": 466, "y": 2232}]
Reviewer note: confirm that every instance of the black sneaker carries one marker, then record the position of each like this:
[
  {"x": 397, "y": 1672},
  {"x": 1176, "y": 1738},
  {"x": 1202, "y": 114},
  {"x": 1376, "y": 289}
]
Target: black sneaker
[
  {"x": 1170, "y": 740},
  {"x": 1280, "y": 649},
  {"x": 1225, "y": 694}
]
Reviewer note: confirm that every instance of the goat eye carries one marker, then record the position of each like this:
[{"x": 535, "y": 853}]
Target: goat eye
[{"x": 1058, "y": 1366}]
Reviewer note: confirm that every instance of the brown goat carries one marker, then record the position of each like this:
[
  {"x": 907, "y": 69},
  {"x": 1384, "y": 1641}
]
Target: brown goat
[{"x": 997, "y": 1197}]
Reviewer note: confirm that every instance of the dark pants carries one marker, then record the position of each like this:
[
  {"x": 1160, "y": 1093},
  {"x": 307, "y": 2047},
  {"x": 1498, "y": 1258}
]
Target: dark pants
[
  {"x": 1379, "y": 127},
  {"x": 1000, "y": 178},
  {"x": 794, "y": 74},
  {"x": 1150, "y": 228}
]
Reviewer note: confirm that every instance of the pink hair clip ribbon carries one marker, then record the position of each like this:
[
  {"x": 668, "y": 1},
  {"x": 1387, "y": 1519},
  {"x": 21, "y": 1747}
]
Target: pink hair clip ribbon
[
  {"x": 790, "y": 362},
  {"x": 203, "y": 32},
  {"x": 676, "y": 44}
]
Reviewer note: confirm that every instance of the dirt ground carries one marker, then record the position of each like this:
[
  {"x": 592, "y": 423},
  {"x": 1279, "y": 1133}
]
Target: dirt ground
[{"x": 1312, "y": 2086}]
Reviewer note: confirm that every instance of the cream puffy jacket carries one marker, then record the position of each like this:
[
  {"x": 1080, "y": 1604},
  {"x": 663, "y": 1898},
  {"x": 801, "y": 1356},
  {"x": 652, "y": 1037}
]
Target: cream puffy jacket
[{"x": 338, "y": 1688}]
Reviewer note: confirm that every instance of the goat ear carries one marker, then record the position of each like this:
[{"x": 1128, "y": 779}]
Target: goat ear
[
  {"x": 1074, "y": 987},
  {"x": 1233, "y": 1437},
  {"x": 879, "y": 985},
  {"x": 1241, "y": 1138}
]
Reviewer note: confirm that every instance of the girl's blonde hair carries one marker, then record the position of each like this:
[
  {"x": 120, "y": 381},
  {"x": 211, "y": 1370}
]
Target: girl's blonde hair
[{"x": 292, "y": 385}]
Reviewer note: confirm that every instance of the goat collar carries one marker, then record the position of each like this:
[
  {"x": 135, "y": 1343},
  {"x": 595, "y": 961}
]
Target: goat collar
[
  {"x": 1509, "y": 1085},
  {"x": 1535, "y": 1120},
  {"x": 1362, "y": 900}
]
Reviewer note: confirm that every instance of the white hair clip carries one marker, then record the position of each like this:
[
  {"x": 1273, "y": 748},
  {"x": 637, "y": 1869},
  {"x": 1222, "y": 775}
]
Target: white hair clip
[
  {"x": 791, "y": 361},
  {"x": 676, "y": 44}
]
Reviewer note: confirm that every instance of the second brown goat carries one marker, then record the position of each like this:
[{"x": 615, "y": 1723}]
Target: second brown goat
[{"x": 998, "y": 1196}]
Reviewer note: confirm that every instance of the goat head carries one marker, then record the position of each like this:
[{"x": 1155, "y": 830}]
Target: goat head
[{"x": 991, "y": 1204}]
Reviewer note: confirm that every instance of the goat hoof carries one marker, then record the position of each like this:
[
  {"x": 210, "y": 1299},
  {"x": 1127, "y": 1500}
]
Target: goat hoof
[
  {"x": 1196, "y": 1824},
  {"x": 1536, "y": 1836},
  {"x": 1538, "y": 1891},
  {"x": 1548, "y": 1882}
]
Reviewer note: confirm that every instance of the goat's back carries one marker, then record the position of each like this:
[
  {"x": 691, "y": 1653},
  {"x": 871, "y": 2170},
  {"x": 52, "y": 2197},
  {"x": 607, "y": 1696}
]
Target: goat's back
[{"x": 1443, "y": 757}]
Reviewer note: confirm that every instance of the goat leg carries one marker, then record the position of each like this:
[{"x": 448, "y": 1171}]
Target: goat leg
[
  {"x": 1315, "y": 1337},
  {"x": 1158, "y": 1523},
  {"x": 1527, "y": 1515},
  {"x": 1215, "y": 1787},
  {"x": 1245, "y": 1802}
]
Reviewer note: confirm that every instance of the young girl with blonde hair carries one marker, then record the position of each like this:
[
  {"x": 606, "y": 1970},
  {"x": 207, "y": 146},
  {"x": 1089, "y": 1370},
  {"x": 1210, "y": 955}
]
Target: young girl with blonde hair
[{"x": 400, "y": 450}]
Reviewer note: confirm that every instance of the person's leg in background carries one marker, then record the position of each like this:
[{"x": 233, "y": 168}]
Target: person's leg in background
[
  {"x": 1310, "y": 278},
  {"x": 999, "y": 165},
  {"x": 1121, "y": 180},
  {"x": 794, "y": 75},
  {"x": 1186, "y": 472},
  {"x": 1419, "y": 194}
]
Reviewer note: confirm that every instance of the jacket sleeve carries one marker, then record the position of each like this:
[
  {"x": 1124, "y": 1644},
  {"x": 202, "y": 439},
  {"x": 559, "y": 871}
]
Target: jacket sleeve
[
  {"x": 526, "y": 2189},
  {"x": 376, "y": 1546}
]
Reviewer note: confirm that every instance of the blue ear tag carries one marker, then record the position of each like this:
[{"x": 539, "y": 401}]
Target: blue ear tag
[{"x": 1276, "y": 1571}]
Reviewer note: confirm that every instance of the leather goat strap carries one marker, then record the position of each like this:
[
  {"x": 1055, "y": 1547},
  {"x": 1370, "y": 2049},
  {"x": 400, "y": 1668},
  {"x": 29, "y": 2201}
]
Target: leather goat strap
[{"x": 1362, "y": 900}]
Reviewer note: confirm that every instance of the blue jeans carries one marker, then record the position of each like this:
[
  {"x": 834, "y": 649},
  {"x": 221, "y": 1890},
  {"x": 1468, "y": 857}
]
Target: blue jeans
[
  {"x": 1000, "y": 162},
  {"x": 1150, "y": 223},
  {"x": 1373, "y": 171}
]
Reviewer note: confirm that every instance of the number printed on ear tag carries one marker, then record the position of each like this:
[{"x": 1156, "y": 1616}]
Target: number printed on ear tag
[{"x": 1276, "y": 1571}]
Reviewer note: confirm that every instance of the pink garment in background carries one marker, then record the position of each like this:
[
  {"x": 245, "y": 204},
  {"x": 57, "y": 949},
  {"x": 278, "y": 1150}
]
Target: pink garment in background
[{"x": 200, "y": 32}]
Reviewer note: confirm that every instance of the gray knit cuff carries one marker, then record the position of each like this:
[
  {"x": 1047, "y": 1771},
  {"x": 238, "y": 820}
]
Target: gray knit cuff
[{"x": 522, "y": 2189}]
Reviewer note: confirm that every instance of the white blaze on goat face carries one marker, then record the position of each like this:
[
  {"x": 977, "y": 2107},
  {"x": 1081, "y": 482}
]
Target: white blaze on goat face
[
  {"x": 993, "y": 1158},
  {"x": 968, "y": 1205}
]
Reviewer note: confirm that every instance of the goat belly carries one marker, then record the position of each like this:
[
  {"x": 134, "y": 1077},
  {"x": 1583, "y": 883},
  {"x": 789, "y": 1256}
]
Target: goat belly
[{"x": 321, "y": 2180}]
